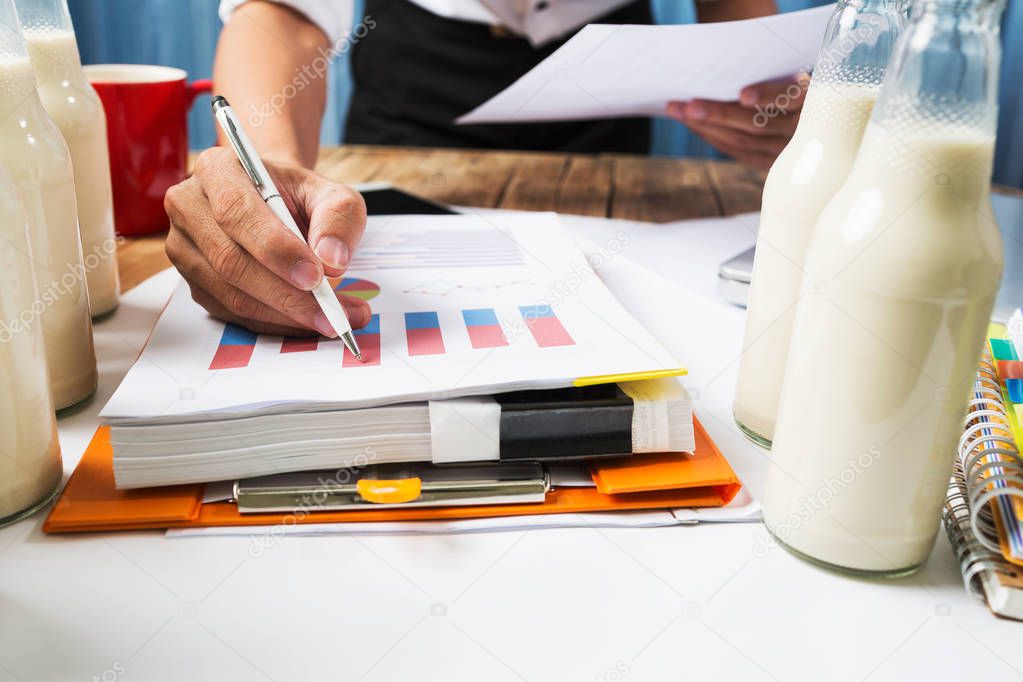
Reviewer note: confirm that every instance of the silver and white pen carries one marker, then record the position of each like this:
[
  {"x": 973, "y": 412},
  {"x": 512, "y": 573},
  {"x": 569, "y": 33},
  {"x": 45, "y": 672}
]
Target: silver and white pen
[{"x": 254, "y": 168}]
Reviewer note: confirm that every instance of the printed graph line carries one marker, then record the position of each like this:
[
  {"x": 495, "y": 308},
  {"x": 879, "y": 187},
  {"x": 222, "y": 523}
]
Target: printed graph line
[{"x": 403, "y": 249}]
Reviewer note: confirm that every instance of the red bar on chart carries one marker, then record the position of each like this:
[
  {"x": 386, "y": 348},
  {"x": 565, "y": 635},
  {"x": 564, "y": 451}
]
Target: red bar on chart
[
  {"x": 422, "y": 330},
  {"x": 300, "y": 345},
  {"x": 484, "y": 329},
  {"x": 368, "y": 339},
  {"x": 235, "y": 349},
  {"x": 545, "y": 326}
]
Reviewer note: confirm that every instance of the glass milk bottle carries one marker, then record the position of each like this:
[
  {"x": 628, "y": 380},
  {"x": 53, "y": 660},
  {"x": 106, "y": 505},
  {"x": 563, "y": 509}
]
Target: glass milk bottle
[
  {"x": 32, "y": 149},
  {"x": 808, "y": 172},
  {"x": 30, "y": 466},
  {"x": 902, "y": 269},
  {"x": 76, "y": 109}
]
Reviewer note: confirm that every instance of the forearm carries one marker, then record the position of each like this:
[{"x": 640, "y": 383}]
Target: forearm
[
  {"x": 271, "y": 66},
  {"x": 729, "y": 10}
]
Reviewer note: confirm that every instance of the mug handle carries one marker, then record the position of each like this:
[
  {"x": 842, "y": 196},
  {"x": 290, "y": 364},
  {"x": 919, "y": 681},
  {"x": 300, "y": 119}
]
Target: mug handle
[{"x": 203, "y": 86}]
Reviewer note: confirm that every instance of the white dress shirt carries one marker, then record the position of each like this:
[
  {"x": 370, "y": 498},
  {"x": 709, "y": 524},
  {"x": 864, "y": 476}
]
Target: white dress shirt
[{"x": 537, "y": 20}]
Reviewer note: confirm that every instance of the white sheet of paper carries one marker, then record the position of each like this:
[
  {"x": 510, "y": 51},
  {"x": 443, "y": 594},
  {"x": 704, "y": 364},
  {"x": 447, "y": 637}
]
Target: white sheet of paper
[
  {"x": 416, "y": 267},
  {"x": 687, "y": 252},
  {"x": 614, "y": 71}
]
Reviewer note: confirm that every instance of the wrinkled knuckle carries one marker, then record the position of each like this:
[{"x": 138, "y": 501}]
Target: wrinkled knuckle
[
  {"x": 286, "y": 303},
  {"x": 248, "y": 307},
  {"x": 227, "y": 260},
  {"x": 237, "y": 302},
  {"x": 229, "y": 208},
  {"x": 350, "y": 208},
  {"x": 172, "y": 246},
  {"x": 175, "y": 199}
]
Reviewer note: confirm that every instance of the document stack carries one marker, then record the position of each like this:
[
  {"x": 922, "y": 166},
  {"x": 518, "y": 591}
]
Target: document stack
[{"x": 499, "y": 377}]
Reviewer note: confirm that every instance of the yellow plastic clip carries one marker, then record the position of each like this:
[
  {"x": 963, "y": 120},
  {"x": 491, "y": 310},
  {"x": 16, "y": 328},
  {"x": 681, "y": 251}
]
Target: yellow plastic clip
[{"x": 397, "y": 491}]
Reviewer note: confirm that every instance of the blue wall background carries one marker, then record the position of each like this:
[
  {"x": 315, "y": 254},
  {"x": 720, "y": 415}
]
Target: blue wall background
[{"x": 183, "y": 33}]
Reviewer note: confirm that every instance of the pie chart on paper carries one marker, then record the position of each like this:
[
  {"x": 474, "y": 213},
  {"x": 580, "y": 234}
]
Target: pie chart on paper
[{"x": 360, "y": 288}]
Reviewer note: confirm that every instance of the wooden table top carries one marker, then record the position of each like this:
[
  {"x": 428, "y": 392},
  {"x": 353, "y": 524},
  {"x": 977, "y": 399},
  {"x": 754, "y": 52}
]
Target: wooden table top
[{"x": 655, "y": 189}]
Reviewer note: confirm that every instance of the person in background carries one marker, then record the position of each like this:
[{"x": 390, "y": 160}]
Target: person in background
[{"x": 417, "y": 65}]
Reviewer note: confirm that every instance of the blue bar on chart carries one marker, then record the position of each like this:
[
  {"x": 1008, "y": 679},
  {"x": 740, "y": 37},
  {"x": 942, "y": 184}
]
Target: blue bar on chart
[
  {"x": 422, "y": 330},
  {"x": 484, "y": 329},
  {"x": 235, "y": 349},
  {"x": 545, "y": 326},
  {"x": 368, "y": 339}
]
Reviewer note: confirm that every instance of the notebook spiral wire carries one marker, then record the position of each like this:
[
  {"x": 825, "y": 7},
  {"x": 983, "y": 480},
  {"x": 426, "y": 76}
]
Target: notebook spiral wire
[{"x": 989, "y": 470}]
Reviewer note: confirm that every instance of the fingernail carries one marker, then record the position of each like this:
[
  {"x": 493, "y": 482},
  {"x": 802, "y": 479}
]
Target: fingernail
[
  {"x": 748, "y": 98},
  {"x": 305, "y": 274},
  {"x": 333, "y": 251},
  {"x": 696, "y": 111},
  {"x": 323, "y": 326}
]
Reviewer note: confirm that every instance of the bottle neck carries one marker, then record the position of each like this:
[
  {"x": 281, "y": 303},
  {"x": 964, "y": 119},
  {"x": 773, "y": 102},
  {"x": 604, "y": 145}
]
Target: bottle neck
[
  {"x": 18, "y": 93},
  {"x": 859, "y": 40},
  {"x": 54, "y": 55},
  {"x": 945, "y": 69}
]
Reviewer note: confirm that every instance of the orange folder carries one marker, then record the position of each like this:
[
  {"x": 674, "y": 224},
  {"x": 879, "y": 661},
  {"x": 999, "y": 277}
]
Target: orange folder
[{"x": 90, "y": 502}]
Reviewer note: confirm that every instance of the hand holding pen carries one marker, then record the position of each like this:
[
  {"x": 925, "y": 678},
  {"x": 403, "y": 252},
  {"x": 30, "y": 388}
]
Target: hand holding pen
[{"x": 240, "y": 261}]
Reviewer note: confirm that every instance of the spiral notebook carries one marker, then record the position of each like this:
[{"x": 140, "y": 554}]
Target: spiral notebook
[{"x": 981, "y": 513}]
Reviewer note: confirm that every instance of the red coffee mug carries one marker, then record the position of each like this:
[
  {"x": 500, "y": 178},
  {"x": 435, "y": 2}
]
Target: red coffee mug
[{"x": 147, "y": 133}]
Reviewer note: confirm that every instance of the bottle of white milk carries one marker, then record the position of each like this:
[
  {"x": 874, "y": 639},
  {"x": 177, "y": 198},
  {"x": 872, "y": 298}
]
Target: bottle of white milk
[
  {"x": 75, "y": 107},
  {"x": 903, "y": 266},
  {"x": 30, "y": 466},
  {"x": 808, "y": 172},
  {"x": 32, "y": 149}
]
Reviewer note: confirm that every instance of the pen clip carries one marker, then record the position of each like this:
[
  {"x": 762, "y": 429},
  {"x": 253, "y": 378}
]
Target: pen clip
[{"x": 243, "y": 155}]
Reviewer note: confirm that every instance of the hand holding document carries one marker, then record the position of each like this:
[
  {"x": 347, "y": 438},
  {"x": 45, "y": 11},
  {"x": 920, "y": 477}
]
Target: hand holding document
[{"x": 609, "y": 71}]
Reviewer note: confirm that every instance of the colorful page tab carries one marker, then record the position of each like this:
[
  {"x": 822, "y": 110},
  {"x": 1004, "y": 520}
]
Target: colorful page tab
[{"x": 1003, "y": 350}]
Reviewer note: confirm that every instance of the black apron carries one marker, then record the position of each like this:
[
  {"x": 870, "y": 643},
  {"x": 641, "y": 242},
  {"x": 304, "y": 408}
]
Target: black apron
[{"x": 415, "y": 72}]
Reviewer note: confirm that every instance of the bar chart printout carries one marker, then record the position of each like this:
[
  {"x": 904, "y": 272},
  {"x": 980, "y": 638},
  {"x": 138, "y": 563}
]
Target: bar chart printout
[
  {"x": 484, "y": 329},
  {"x": 422, "y": 330},
  {"x": 235, "y": 349},
  {"x": 368, "y": 339},
  {"x": 545, "y": 326}
]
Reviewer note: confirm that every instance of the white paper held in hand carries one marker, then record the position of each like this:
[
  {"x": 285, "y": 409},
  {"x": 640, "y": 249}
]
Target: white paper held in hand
[{"x": 615, "y": 71}]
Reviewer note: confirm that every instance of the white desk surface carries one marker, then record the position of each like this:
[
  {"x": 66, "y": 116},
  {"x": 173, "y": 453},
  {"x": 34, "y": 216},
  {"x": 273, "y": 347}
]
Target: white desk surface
[{"x": 713, "y": 601}]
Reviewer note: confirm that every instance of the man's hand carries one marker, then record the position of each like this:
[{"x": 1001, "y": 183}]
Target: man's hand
[
  {"x": 753, "y": 130},
  {"x": 243, "y": 265}
]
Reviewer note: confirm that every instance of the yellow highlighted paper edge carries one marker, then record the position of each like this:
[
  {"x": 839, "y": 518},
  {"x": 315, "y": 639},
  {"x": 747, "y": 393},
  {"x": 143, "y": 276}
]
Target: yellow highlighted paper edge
[{"x": 629, "y": 376}]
